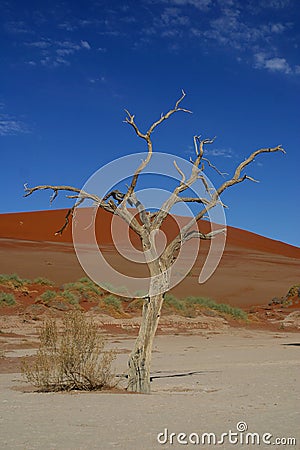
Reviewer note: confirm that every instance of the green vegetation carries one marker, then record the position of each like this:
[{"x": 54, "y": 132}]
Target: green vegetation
[
  {"x": 172, "y": 302},
  {"x": 113, "y": 302},
  {"x": 220, "y": 307},
  {"x": 189, "y": 306},
  {"x": 70, "y": 297},
  {"x": 84, "y": 287},
  {"x": 43, "y": 281},
  {"x": 294, "y": 291},
  {"x": 7, "y": 299},
  {"x": 13, "y": 280},
  {"x": 47, "y": 296},
  {"x": 119, "y": 290}
]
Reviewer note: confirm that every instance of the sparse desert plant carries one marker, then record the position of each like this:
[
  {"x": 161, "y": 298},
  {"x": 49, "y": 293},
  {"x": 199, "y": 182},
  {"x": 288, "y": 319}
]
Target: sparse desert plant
[
  {"x": 119, "y": 290},
  {"x": 70, "y": 297},
  {"x": 71, "y": 360},
  {"x": 7, "y": 299},
  {"x": 47, "y": 296},
  {"x": 13, "y": 280},
  {"x": 172, "y": 302},
  {"x": 135, "y": 304},
  {"x": 43, "y": 281},
  {"x": 221, "y": 307},
  {"x": 84, "y": 287},
  {"x": 113, "y": 302}
]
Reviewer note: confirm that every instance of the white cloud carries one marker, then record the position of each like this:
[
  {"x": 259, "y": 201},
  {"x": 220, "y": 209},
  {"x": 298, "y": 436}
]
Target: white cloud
[
  {"x": 9, "y": 125},
  {"x": 67, "y": 26},
  {"x": 277, "y": 28},
  {"x": 68, "y": 44},
  {"x": 199, "y": 4},
  {"x": 276, "y": 4},
  {"x": 17, "y": 27},
  {"x": 97, "y": 80},
  {"x": 85, "y": 44},
  {"x": 38, "y": 44},
  {"x": 173, "y": 17},
  {"x": 55, "y": 53},
  {"x": 65, "y": 51},
  {"x": 278, "y": 64},
  {"x": 262, "y": 61},
  {"x": 229, "y": 29},
  {"x": 49, "y": 61},
  {"x": 220, "y": 152}
]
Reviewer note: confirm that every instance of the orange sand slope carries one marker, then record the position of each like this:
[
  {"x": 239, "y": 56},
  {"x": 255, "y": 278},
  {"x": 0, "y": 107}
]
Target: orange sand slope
[{"x": 252, "y": 271}]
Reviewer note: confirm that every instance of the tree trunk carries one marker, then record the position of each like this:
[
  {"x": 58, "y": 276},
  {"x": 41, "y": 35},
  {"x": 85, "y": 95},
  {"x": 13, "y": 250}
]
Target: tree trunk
[{"x": 140, "y": 357}]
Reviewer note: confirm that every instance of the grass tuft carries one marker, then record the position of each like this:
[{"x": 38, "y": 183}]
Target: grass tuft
[
  {"x": 221, "y": 307},
  {"x": 43, "y": 281},
  {"x": 47, "y": 296},
  {"x": 13, "y": 280},
  {"x": 113, "y": 302},
  {"x": 71, "y": 297},
  {"x": 7, "y": 299}
]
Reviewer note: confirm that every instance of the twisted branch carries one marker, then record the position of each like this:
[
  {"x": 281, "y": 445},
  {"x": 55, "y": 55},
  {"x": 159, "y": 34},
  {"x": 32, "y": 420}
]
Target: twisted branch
[
  {"x": 214, "y": 200},
  {"x": 104, "y": 203}
]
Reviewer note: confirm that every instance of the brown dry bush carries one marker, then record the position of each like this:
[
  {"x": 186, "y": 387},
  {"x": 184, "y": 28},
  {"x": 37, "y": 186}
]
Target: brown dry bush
[{"x": 72, "y": 360}]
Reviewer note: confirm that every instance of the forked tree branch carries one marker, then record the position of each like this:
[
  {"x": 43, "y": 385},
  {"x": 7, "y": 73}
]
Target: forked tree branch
[
  {"x": 184, "y": 184},
  {"x": 147, "y": 137},
  {"x": 104, "y": 203},
  {"x": 184, "y": 234}
]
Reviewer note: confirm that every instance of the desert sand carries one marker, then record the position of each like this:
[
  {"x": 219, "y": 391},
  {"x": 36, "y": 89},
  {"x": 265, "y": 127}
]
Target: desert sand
[
  {"x": 248, "y": 376},
  {"x": 208, "y": 374},
  {"x": 253, "y": 269}
]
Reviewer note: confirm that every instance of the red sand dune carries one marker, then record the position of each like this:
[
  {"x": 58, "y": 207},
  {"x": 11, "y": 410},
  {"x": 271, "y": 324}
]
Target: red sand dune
[{"x": 252, "y": 271}]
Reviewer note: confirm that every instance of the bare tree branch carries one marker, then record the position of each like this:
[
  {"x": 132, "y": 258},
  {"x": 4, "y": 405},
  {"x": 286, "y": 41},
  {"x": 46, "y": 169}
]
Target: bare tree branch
[
  {"x": 204, "y": 201},
  {"x": 147, "y": 137},
  {"x": 184, "y": 184},
  {"x": 214, "y": 167},
  {"x": 169, "y": 113},
  {"x": 237, "y": 174},
  {"x": 145, "y": 219},
  {"x": 197, "y": 234},
  {"x": 180, "y": 172},
  {"x": 109, "y": 206},
  {"x": 215, "y": 199},
  {"x": 69, "y": 213}
]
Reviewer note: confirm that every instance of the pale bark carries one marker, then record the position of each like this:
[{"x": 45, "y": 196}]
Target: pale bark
[{"x": 140, "y": 358}]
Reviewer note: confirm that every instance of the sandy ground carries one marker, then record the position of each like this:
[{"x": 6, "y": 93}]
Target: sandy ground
[
  {"x": 207, "y": 376},
  {"x": 241, "y": 375},
  {"x": 244, "y": 277},
  {"x": 253, "y": 269}
]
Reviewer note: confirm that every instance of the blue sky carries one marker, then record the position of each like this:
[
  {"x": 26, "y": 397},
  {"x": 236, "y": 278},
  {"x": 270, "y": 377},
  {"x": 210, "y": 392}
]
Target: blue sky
[{"x": 68, "y": 70}]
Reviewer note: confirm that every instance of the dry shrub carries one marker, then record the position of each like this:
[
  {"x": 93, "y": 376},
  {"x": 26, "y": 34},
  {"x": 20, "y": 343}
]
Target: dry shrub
[{"x": 73, "y": 359}]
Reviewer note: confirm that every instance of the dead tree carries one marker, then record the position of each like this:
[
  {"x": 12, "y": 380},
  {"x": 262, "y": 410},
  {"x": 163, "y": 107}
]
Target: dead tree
[{"x": 116, "y": 202}]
